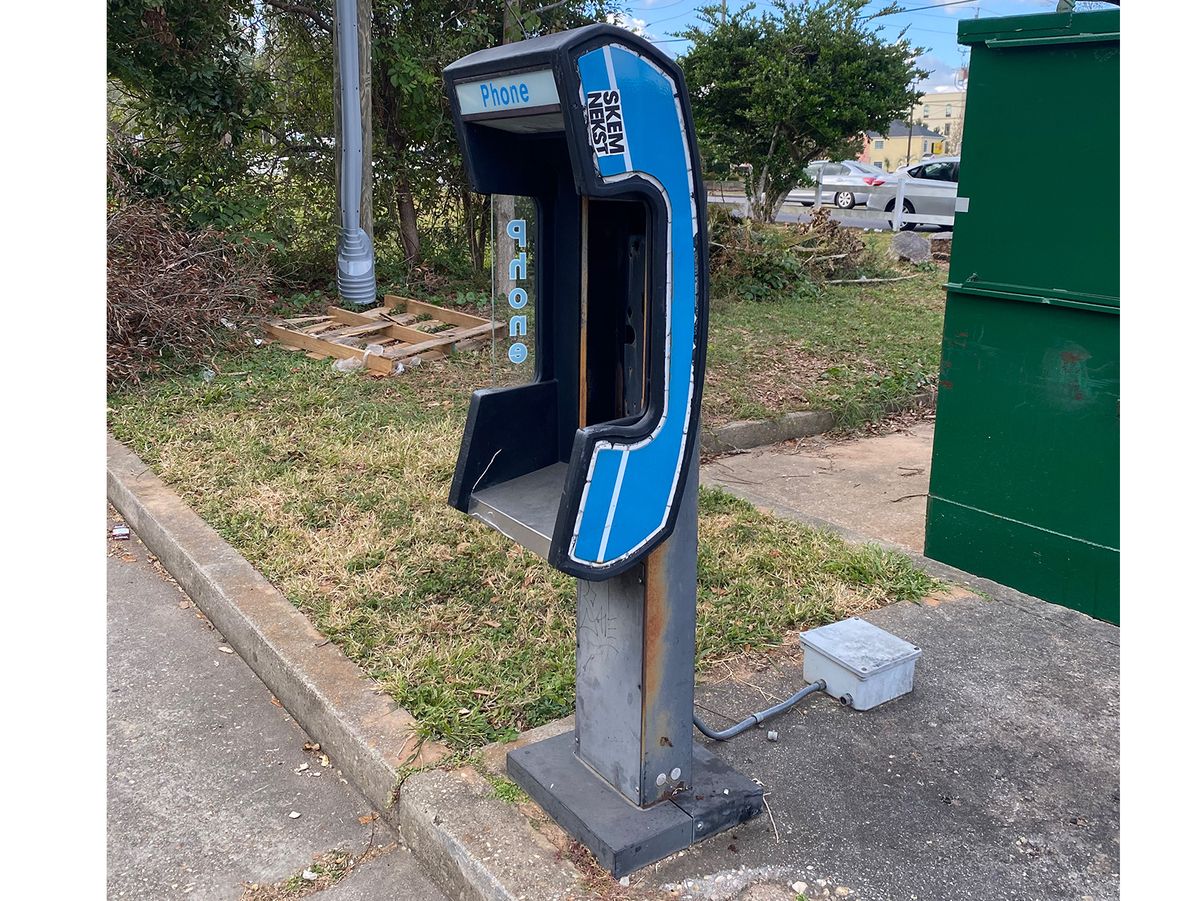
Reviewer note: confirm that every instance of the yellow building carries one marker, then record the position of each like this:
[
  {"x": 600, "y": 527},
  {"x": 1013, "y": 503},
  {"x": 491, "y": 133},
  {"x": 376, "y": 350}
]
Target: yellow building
[
  {"x": 943, "y": 112},
  {"x": 901, "y": 145}
]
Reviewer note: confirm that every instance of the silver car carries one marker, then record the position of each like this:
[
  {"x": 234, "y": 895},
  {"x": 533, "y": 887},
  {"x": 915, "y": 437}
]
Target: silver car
[
  {"x": 930, "y": 188},
  {"x": 845, "y": 185}
]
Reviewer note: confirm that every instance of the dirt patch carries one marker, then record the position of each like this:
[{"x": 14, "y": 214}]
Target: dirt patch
[
  {"x": 948, "y": 594},
  {"x": 325, "y": 871},
  {"x": 778, "y": 377},
  {"x": 601, "y": 885}
]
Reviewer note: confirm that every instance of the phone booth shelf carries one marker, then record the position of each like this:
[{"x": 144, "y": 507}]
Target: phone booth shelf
[{"x": 593, "y": 464}]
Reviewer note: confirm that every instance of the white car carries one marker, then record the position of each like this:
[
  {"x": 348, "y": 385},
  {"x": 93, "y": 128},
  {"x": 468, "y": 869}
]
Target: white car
[
  {"x": 844, "y": 185},
  {"x": 930, "y": 187}
]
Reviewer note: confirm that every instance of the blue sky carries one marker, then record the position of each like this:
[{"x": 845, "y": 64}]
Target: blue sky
[{"x": 932, "y": 24}]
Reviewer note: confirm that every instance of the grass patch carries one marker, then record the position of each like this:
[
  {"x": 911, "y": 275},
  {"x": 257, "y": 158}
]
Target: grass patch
[
  {"x": 505, "y": 789},
  {"x": 334, "y": 486},
  {"x": 326, "y": 871},
  {"x": 853, "y": 350}
]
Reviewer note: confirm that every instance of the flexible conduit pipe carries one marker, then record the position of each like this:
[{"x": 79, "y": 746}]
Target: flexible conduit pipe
[{"x": 762, "y": 716}]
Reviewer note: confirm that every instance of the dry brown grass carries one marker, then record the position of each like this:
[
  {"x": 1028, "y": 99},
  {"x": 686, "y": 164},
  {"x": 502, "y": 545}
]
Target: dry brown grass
[{"x": 335, "y": 487}]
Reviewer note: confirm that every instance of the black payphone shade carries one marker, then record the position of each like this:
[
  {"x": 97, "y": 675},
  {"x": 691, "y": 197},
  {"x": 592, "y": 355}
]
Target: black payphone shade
[{"x": 594, "y": 493}]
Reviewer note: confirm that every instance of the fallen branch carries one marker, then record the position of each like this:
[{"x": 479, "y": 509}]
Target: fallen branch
[{"x": 867, "y": 281}]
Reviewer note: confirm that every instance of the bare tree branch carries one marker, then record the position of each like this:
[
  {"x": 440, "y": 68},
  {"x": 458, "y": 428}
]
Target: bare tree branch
[
  {"x": 291, "y": 146},
  {"x": 314, "y": 15},
  {"x": 546, "y": 8}
]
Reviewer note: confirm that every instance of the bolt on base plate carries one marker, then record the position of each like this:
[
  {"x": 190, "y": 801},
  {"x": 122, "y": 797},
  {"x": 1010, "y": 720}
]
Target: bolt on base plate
[{"x": 625, "y": 837}]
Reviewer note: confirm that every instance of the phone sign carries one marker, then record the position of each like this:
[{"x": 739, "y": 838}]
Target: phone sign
[{"x": 518, "y": 297}]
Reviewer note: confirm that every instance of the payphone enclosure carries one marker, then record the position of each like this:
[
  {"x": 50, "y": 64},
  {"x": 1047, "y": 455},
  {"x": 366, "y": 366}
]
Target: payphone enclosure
[{"x": 593, "y": 463}]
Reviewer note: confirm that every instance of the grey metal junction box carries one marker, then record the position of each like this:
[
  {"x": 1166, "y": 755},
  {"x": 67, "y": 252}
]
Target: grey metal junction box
[{"x": 862, "y": 665}]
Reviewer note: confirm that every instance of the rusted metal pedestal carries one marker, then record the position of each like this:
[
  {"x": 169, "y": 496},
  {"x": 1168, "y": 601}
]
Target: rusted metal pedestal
[{"x": 630, "y": 783}]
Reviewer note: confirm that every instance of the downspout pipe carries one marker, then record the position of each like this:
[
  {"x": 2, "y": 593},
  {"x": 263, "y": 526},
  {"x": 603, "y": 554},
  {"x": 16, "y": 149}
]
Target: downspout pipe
[{"x": 355, "y": 254}]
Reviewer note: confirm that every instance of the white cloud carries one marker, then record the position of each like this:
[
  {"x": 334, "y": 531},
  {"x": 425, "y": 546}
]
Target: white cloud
[
  {"x": 958, "y": 8},
  {"x": 629, "y": 23},
  {"x": 942, "y": 75}
]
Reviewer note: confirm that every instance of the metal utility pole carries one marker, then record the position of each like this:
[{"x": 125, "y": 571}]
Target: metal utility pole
[{"x": 352, "y": 99}]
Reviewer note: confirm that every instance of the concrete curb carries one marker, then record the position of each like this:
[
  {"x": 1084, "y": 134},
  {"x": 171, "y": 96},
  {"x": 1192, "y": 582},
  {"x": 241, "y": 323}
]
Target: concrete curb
[
  {"x": 476, "y": 847},
  {"x": 744, "y": 434}
]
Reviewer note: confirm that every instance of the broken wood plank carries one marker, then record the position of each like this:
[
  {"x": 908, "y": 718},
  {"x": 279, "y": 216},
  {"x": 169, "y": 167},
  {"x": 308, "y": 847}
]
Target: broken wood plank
[
  {"x": 455, "y": 317},
  {"x": 318, "y": 328},
  {"x": 354, "y": 331},
  {"x": 374, "y": 362},
  {"x": 440, "y": 341},
  {"x": 409, "y": 350},
  {"x": 401, "y": 318},
  {"x": 403, "y": 332}
]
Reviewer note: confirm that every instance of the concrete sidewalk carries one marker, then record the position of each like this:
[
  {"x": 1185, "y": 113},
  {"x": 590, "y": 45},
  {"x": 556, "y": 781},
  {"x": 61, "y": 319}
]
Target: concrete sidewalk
[
  {"x": 205, "y": 772},
  {"x": 875, "y": 487},
  {"x": 996, "y": 778}
]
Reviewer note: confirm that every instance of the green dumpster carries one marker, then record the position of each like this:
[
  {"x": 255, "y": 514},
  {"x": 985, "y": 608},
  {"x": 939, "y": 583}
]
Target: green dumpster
[{"x": 1024, "y": 483}]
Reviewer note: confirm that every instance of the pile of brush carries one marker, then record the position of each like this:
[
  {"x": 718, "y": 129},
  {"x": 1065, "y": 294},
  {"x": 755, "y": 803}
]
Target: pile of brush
[
  {"x": 756, "y": 261},
  {"x": 174, "y": 296},
  {"x": 829, "y": 251}
]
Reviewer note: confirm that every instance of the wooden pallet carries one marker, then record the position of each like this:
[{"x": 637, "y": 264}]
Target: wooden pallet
[{"x": 405, "y": 329}]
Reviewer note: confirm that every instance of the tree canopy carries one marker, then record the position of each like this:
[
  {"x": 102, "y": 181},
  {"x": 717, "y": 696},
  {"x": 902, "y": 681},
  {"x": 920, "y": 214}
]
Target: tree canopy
[
  {"x": 804, "y": 80},
  {"x": 224, "y": 108}
]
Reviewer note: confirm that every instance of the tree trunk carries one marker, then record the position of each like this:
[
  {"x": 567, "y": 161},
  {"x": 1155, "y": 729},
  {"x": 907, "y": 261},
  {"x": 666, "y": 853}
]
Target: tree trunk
[
  {"x": 776, "y": 204},
  {"x": 409, "y": 236},
  {"x": 761, "y": 207},
  {"x": 366, "y": 212},
  {"x": 387, "y": 105},
  {"x": 504, "y": 210},
  {"x": 504, "y": 206},
  {"x": 476, "y": 216}
]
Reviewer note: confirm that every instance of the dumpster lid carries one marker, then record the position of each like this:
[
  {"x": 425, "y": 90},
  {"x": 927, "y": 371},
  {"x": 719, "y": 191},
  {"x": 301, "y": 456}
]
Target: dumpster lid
[{"x": 1041, "y": 28}]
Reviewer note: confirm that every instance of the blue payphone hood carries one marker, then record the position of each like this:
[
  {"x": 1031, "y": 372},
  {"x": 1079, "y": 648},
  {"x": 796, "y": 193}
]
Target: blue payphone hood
[{"x": 595, "y": 125}]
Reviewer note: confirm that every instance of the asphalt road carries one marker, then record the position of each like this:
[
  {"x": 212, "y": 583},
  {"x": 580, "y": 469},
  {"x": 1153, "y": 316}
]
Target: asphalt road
[
  {"x": 797, "y": 212},
  {"x": 210, "y": 787}
]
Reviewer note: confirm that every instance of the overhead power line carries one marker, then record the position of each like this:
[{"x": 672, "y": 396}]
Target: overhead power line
[
  {"x": 916, "y": 28},
  {"x": 686, "y": 12},
  {"x": 656, "y": 7},
  {"x": 916, "y": 9}
]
